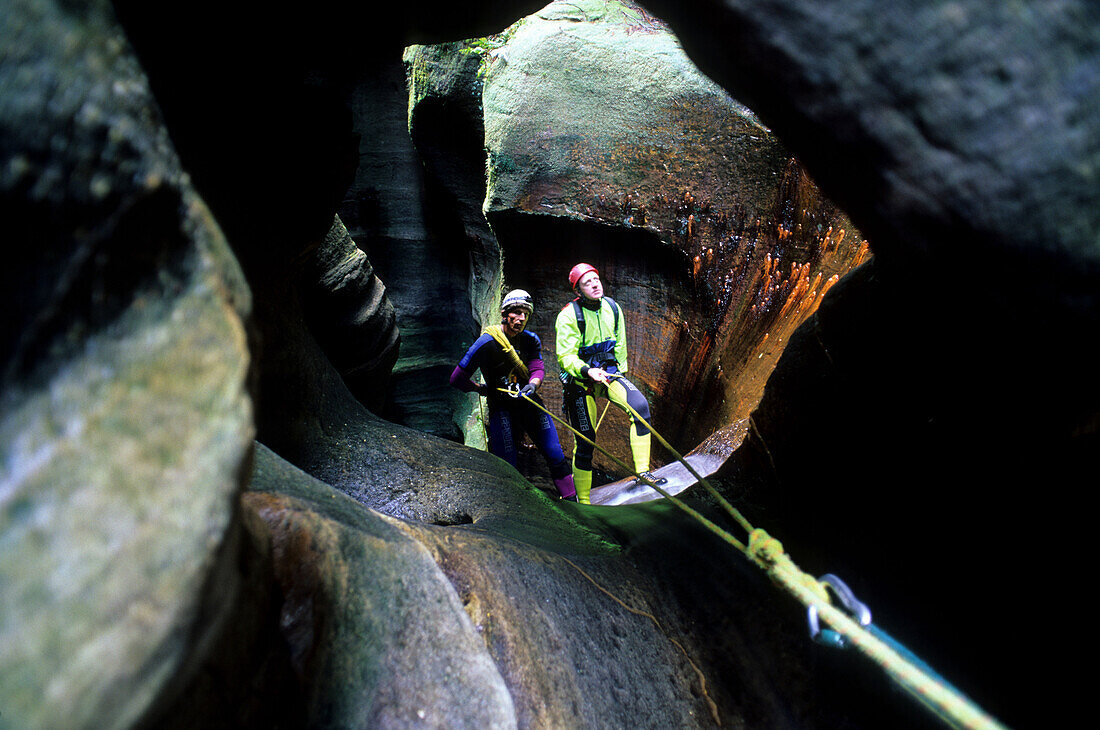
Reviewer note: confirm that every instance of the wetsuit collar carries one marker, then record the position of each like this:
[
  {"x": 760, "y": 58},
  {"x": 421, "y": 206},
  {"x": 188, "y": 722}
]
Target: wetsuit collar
[{"x": 593, "y": 304}]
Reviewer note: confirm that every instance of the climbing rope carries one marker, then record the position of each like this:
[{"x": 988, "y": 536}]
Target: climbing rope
[
  {"x": 711, "y": 705},
  {"x": 605, "y": 407},
  {"x": 910, "y": 673}
]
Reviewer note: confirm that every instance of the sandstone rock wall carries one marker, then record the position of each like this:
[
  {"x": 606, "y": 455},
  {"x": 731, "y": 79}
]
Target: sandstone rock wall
[
  {"x": 126, "y": 424},
  {"x": 348, "y": 310},
  {"x": 414, "y": 240},
  {"x": 604, "y": 143},
  {"x": 948, "y": 389}
]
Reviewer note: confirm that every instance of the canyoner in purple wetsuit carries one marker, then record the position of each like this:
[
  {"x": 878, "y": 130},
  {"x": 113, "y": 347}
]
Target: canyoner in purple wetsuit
[{"x": 510, "y": 357}]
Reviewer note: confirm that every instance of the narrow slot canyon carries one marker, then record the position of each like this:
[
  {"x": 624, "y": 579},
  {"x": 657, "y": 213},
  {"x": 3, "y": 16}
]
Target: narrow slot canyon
[{"x": 855, "y": 251}]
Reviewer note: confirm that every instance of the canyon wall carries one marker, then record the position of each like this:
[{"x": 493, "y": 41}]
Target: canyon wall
[
  {"x": 946, "y": 389},
  {"x": 603, "y": 143}
]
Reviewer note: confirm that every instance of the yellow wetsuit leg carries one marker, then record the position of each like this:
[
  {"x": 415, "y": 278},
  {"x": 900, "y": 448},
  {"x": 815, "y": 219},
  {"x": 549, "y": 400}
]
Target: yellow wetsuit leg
[{"x": 640, "y": 446}]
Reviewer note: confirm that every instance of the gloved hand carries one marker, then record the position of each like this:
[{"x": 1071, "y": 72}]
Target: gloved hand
[{"x": 527, "y": 391}]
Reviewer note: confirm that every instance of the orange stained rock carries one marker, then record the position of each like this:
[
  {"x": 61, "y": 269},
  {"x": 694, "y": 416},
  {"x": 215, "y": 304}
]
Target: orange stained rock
[
  {"x": 863, "y": 249},
  {"x": 828, "y": 285},
  {"x": 796, "y": 299}
]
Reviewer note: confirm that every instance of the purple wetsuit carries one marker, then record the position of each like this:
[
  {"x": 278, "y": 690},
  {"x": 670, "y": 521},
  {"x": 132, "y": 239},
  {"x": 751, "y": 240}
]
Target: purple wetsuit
[{"x": 510, "y": 417}]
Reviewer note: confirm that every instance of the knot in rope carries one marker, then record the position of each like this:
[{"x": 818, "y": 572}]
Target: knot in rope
[
  {"x": 768, "y": 553},
  {"x": 763, "y": 549}
]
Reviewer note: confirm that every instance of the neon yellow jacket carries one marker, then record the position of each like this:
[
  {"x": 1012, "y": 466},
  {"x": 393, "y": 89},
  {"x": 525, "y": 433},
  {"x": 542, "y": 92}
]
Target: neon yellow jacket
[{"x": 598, "y": 328}]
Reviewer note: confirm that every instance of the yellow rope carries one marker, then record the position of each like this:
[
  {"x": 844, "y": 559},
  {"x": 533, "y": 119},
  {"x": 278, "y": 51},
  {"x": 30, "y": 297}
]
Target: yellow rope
[
  {"x": 605, "y": 407},
  {"x": 496, "y": 331},
  {"x": 729, "y": 508},
  {"x": 947, "y": 703},
  {"x": 767, "y": 553},
  {"x": 700, "y": 518}
]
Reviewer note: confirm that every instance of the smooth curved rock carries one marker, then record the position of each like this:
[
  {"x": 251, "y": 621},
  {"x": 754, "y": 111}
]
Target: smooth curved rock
[
  {"x": 126, "y": 426},
  {"x": 549, "y": 625},
  {"x": 378, "y": 636},
  {"x": 351, "y": 316}
]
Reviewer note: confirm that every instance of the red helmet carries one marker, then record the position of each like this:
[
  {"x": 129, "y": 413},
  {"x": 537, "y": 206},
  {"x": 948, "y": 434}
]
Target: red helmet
[{"x": 578, "y": 271}]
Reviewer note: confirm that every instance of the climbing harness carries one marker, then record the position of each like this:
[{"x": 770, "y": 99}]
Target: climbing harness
[
  {"x": 904, "y": 668},
  {"x": 598, "y": 354}
]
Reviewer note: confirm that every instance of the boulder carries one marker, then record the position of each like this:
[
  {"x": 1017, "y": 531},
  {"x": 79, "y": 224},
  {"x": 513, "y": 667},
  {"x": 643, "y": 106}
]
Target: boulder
[{"x": 377, "y": 635}]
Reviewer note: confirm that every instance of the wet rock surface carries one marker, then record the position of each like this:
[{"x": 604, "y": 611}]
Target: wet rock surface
[{"x": 940, "y": 109}]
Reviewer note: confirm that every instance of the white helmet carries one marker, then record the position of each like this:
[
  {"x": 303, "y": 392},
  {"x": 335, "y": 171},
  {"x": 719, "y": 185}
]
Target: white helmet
[{"x": 518, "y": 299}]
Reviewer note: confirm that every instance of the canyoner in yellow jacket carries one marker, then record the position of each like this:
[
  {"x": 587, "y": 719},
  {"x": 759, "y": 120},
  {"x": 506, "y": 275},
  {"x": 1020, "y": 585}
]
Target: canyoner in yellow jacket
[{"x": 592, "y": 356}]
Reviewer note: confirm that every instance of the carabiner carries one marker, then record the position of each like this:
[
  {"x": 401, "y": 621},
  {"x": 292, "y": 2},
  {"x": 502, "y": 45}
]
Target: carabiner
[{"x": 848, "y": 601}]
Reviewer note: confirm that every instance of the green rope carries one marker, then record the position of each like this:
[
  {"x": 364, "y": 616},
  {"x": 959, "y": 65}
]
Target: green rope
[
  {"x": 679, "y": 503},
  {"x": 915, "y": 677},
  {"x": 605, "y": 407},
  {"x": 729, "y": 508}
]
